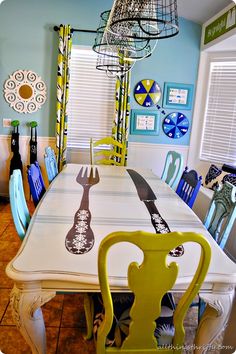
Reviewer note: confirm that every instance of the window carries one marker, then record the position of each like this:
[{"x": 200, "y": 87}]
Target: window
[
  {"x": 91, "y": 102},
  {"x": 219, "y": 133}
]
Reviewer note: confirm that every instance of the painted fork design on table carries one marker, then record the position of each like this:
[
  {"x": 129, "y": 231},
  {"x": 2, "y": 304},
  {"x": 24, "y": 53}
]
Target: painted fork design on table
[{"x": 80, "y": 238}]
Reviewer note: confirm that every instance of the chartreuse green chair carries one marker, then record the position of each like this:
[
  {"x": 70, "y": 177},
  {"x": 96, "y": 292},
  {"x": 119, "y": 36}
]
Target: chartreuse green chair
[
  {"x": 19, "y": 209},
  {"x": 107, "y": 151},
  {"x": 149, "y": 282},
  {"x": 172, "y": 169}
]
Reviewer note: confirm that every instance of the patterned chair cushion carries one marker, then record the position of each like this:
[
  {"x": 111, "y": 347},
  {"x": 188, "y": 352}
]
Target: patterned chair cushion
[
  {"x": 216, "y": 176},
  {"x": 231, "y": 178},
  {"x": 122, "y": 303}
]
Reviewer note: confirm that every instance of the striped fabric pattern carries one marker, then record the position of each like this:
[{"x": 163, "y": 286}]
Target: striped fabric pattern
[
  {"x": 120, "y": 128},
  {"x": 63, "y": 76}
]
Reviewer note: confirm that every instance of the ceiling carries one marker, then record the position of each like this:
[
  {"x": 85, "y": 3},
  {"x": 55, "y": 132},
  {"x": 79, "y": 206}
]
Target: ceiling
[{"x": 200, "y": 10}]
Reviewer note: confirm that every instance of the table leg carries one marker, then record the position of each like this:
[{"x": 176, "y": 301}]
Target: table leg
[
  {"x": 214, "y": 318},
  {"x": 28, "y": 317}
]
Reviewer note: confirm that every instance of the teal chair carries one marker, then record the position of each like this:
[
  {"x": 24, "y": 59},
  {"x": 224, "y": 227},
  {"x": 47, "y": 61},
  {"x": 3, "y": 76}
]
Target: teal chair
[
  {"x": 220, "y": 219},
  {"x": 19, "y": 209},
  {"x": 221, "y": 213},
  {"x": 50, "y": 163},
  {"x": 172, "y": 169}
]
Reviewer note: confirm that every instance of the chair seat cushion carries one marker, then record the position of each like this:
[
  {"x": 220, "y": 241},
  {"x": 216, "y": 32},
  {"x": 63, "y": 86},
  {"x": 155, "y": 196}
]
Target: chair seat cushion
[
  {"x": 216, "y": 176},
  {"x": 122, "y": 303}
]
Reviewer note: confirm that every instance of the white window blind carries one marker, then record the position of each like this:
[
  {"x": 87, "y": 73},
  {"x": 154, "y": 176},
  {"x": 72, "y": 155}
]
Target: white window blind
[
  {"x": 91, "y": 102},
  {"x": 219, "y": 132}
]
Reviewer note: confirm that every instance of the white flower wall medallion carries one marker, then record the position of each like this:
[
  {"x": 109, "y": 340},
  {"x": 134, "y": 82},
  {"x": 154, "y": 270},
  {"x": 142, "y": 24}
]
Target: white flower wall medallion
[{"x": 25, "y": 91}]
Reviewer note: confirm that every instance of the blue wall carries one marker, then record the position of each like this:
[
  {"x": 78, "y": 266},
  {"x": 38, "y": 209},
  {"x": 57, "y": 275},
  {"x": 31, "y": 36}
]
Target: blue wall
[{"x": 28, "y": 42}]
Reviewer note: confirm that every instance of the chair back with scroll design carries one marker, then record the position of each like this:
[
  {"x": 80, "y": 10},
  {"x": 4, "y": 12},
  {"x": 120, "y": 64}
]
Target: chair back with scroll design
[
  {"x": 36, "y": 182},
  {"x": 107, "y": 151},
  {"x": 50, "y": 163},
  {"x": 189, "y": 186},
  {"x": 19, "y": 209},
  {"x": 221, "y": 213},
  {"x": 149, "y": 282},
  {"x": 172, "y": 169}
]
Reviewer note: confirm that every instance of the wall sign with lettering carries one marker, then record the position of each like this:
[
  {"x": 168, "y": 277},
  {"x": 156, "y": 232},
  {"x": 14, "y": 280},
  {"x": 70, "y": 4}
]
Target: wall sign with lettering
[{"x": 221, "y": 25}]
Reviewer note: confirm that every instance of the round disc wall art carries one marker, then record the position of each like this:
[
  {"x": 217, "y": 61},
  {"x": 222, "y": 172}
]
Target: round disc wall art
[
  {"x": 25, "y": 91},
  {"x": 147, "y": 93},
  {"x": 175, "y": 125}
]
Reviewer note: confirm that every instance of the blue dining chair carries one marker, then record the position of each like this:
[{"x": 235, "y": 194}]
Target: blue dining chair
[
  {"x": 50, "y": 163},
  {"x": 172, "y": 169},
  {"x": 189, "y": 186},
  {"x": 36, "y": 183},
  {"x": 19, "y": 209},
  {"x": 221, "y": 213}
]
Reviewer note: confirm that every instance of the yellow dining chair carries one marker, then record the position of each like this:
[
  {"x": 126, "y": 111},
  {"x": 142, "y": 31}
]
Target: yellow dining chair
[
  {"x": 107, "y": 151},
  {"x": 149, "y": 282}
]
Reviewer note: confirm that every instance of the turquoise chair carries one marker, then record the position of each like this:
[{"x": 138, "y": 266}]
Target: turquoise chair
[
  {"x": 189, "y": 186},
  {"x": 19, "y": 209},
  {"x": 219, "y": 220},
  {"x": 221, "y": 213},
  {"x": 50, "y": 163},
  {"x": 173, "y": 168},
  {"x": 36, "y": 182}
]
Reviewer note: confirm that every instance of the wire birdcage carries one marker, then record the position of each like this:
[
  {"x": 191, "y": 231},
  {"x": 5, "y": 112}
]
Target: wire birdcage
[
  {"x": 144, "y": 19},
  {"x": 113, "y": 66},
  {"x": 125, "y": 48}
]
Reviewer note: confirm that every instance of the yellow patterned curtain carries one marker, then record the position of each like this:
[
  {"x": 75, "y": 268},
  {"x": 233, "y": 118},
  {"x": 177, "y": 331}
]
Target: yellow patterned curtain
[
  {"x": 63, "y": 76},
  {"x": 120, "y": 130}
]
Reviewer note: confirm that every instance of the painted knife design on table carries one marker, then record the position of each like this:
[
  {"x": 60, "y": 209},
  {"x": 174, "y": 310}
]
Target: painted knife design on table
[
  {"x": 80, "y": 238},
  {"x": 147, "y": 196}
]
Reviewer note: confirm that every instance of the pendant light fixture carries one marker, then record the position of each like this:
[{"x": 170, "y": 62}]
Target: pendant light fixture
[
  {"x": 113, "y": 66},
  {"x": 144, "y": 19},
  {"x": 107, "y": 43}
]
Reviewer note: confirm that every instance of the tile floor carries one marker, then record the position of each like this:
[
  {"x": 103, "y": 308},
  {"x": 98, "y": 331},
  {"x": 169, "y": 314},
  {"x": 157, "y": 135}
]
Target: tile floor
[{"x": 63, "y": 315}]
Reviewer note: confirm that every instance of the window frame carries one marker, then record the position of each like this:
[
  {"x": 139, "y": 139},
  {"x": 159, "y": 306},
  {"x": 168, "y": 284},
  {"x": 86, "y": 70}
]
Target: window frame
[
  {"x": 212, "y": 57},
  {"x": 107, "y": 131}
]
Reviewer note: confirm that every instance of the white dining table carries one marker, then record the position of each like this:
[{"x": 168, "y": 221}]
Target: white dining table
[{"x": 44, "y": 265}]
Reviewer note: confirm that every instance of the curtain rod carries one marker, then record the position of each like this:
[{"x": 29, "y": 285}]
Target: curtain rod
[{"x": 56, "y": 28}]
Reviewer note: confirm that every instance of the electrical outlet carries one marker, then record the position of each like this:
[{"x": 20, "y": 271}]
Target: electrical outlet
[{"x": 6, "y": 122}]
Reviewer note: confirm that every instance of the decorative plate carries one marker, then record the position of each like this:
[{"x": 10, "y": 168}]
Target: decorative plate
[
  {"x": 175, "y": 125},
  {"x": 25, "y": 91},
  {"x": 147, "y": 93}
]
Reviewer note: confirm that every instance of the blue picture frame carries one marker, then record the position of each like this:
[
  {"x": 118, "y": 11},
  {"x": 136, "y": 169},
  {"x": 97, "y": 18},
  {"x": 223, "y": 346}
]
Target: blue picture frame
[
  {"x": 144, "y": 122},
  {"x": 177, "y": 96}
]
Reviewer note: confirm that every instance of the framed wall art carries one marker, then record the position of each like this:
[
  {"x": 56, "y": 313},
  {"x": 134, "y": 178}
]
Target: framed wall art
[
  {"x": 175, "y": 125},
  {"x": 177, "y": 96},
  {"x": 144, "y": 122},
  {"x": 147, "y": 93},
  {"x": 25, "y": 91}
]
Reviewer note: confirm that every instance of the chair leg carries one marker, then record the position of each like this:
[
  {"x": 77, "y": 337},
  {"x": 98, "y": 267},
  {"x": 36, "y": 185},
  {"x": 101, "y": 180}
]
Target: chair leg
[
  {"x": 89, "y": 313},
  {"x": 201, "y": 308}
]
